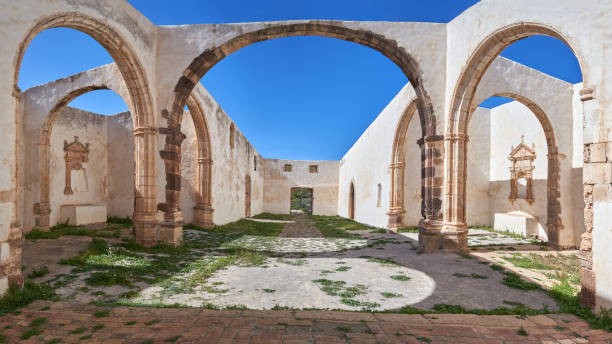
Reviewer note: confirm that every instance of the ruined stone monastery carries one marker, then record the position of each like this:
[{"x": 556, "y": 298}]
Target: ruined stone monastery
[{"x": 540, "y": 166}]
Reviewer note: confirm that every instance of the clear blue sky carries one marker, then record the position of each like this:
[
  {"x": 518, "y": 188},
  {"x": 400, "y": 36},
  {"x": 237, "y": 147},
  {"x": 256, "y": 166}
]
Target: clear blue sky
[{"x": 298, "y": 97}]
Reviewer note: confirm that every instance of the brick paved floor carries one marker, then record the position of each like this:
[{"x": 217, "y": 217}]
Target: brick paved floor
[{"x": 77, "y": 323}]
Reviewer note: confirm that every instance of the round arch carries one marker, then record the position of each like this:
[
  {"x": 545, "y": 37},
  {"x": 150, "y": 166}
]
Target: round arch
[
  {"x": 207, "y": 59},
  {"x": 203, "y": 209},
  {"x": 43, "y": 208},
  {"x": 455, "y": 228},
  {"x": 397, "y": 168},
  {"x": 145, "y": 214}
]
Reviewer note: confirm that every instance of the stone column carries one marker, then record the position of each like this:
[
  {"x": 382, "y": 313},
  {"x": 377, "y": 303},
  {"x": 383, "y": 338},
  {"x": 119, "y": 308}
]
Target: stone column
[
  {"x": 553, "y": 205},
  {"x": 204, "y": 210},
  {"x": 11, "y": 239},
  {"x": 396, "y": 205},
  {"x": 595, "y": 171},
  {"x": 171, "y": 229},
  {"x": 432, "y": 163},
  {"x": 454, "y": 231},
  {"x": 145, "y": 211},
  {"x": 43, "y": 209}
]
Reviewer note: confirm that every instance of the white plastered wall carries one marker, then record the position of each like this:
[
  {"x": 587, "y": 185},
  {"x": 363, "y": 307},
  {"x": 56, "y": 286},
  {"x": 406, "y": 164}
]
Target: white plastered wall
[{"x": 278, "y": 184}]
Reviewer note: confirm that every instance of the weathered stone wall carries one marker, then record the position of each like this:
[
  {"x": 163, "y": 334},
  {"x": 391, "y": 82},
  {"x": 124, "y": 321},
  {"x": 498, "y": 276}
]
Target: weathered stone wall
[
  {"x": 120, "y": 143},
  {"x": 478, "y": 208},
  {"x": 278, "y": 184}
]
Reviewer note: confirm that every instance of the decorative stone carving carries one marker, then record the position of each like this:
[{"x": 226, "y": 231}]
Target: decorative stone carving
[
  {"x": 75, "y": 155},
  {"x": 522, "y": 158}
]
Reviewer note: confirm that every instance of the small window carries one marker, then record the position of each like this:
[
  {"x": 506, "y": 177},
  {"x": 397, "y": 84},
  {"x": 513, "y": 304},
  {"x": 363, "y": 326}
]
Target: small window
[
  {"x": 288, "y": 168},
  {"x": 254, "y": 163},
  {"x": 232, "y": 129},
  {"x": 314, "y": 168},
  {"x": 379, "y": 195}
]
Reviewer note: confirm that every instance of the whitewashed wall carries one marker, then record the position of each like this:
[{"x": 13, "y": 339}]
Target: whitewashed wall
[
  {"x": 278, "y": 184},
  {"x": 366, "y": 164}
]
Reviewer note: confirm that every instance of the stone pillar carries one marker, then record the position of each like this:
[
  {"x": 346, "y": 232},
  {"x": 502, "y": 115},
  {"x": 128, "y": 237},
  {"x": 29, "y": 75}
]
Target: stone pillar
[
  {"x": 396, "y": 206},
  {"x": 432, "y": 163},
  {"x": 171, "y": 229},
  {"x": 593, "y": 173},
  {"x": 553, "y": 206},
  {"x": 454, "y": 231},
  {"x": 42, "y": 221},
  {"x": 43, "y": 209},
  {"x": 204, "y": 210},
  {"x": 145, "y": 211},
  {"x": 11, "y": 239}
]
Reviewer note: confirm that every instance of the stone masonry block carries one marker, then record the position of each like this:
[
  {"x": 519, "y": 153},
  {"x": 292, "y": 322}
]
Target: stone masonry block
[
  {"x": 598, "y": 152},
  {"x": 597, "y": 173}
]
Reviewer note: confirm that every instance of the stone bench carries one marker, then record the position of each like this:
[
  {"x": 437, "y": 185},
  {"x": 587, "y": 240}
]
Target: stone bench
[
  {"x": 519, "y": 223},
  {"x": 77, "y": 215}
]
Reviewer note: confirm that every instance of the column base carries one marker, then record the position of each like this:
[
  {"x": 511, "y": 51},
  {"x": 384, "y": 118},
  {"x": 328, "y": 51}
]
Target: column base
[
  {"x": 171, "y": 233},
  {"x": 10, "y": 268},
  {"x": 429, "y": 236},
  {"x": 145, "y": 229},
  {"x": 454, "y": 237},
  {"x": 203, "y": 216},
  {"x": 396, "y": 219},
  {"x": 42, "y": 222},
  {"x": 588, "y": 292}
]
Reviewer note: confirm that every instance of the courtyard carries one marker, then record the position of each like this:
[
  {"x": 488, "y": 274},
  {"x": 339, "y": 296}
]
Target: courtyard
[{"x": 318, "y": 278}]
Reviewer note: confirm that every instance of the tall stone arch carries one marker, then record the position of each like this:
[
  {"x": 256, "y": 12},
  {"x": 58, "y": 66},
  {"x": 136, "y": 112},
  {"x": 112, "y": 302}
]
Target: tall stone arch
[
  {"x": 133, "y": 73},
  {"x": 199, "y": 66}
]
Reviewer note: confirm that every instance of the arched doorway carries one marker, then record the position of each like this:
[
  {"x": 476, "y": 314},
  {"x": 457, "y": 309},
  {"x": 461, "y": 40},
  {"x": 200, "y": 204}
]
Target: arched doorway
[{"x": 351, "y": 201}]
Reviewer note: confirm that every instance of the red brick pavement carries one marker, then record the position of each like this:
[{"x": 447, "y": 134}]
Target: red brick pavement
[{"x": 76, "y": 323}]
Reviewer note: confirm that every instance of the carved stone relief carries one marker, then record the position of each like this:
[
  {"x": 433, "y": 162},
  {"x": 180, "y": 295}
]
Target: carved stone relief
[
  {"x": 75, "y": 155},
  {"x": 522, "y": 158}
]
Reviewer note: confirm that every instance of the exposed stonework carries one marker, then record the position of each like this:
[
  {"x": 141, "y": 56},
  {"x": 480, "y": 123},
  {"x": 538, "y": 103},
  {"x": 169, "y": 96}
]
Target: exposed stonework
[{"x": 445, "y": 64}]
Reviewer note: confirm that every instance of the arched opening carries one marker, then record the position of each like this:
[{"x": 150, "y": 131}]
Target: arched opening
[
  {"x": 462, "y": 107},
  {"x": 351, "y": 201},
  {"x": 137, "y": 86},
  {"x": 203, "y": 210},
  {"x": 205, "y": 61},
  {"x": 519, "y": 178},
  {"x": 82, "y": 164}
]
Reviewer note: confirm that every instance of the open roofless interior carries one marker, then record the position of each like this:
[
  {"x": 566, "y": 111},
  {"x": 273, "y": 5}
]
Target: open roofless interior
[{"x": 467, "y": 201}]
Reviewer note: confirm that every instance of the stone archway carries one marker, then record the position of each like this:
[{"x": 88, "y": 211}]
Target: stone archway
[
  {"x": 203, "y": 209},
  {"x": 454, "y": 232},
  {"x": 456, "y": 138},
  {"x": 43, "y": 208},
  {"x": 553, "y": 197},
  {"x": 432, "y": 142},
  {"x": 397, "y": 169},
  {"x": 145, "y": 213}
]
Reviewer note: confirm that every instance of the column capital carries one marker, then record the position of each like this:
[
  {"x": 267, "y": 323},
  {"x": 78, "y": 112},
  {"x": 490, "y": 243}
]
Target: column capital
[
  {"x": 457, "y": 137},
  {"x": 398, "y": 164},
  {"x": 144, "y": 130},
  {"x": 587, "y": 93}
]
